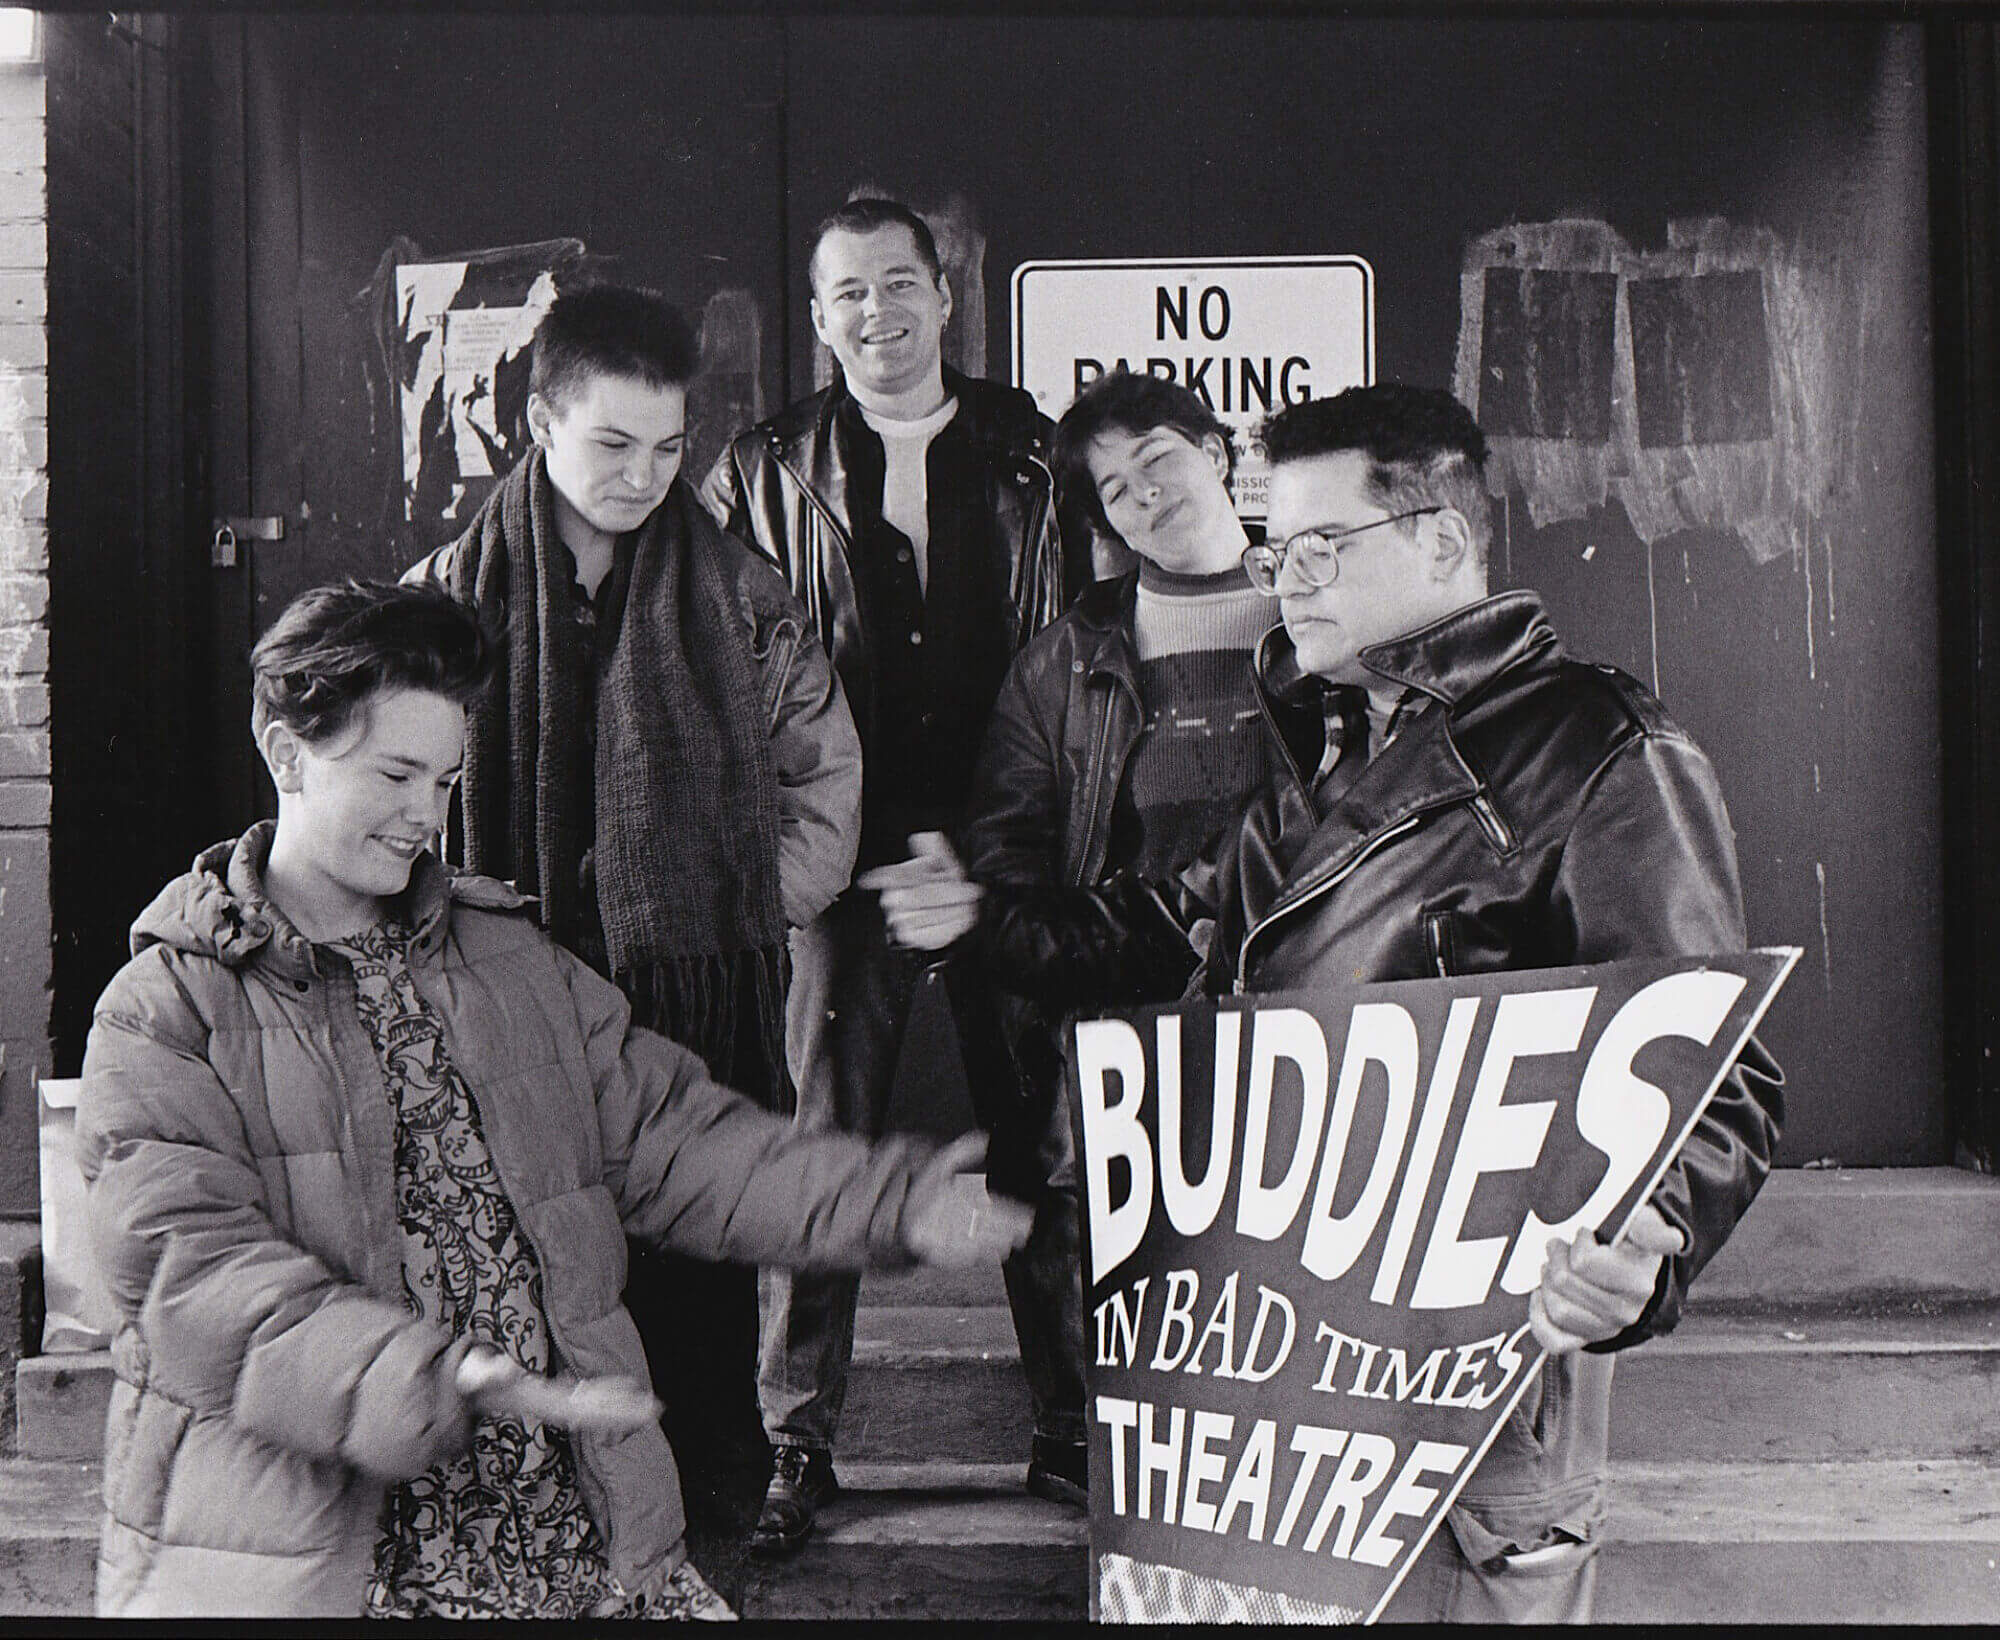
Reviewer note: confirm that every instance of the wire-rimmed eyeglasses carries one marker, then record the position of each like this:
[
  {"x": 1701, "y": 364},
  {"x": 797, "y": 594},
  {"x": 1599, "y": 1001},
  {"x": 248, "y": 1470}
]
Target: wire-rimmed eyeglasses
[{"x": 1314, "y": 553}]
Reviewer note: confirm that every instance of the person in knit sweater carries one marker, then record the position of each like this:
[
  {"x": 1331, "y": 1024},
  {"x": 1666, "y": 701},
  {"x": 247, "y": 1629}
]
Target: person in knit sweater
[
  {"x": 1124, "y": 737},
  {"x": 669, "y": 765}
]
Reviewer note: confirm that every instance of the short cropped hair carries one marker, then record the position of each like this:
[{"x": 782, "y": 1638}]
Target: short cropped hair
[
  {"x": 1423, "y": 447},
  {"x": 1125, "y": 402},
  {"x": 335, "y": 647},
  {"x": 610, "y": 330},
  {"x": 867, "y": 214}
]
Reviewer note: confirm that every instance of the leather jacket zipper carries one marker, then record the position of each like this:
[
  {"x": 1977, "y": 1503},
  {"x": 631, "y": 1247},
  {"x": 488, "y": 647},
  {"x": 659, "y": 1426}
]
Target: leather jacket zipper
[
  {"x": 1085, "y": 871},
  {"x": 805, "y": 489},
  {"x": 1491, "y": 822},
  {"x": 1243, "y": 951},
  {"x": 1044, "y": 498},
  {"x": 1437, "y": 941}
]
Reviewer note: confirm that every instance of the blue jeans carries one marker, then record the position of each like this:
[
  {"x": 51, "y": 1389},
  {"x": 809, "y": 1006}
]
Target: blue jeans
[
  {"x": 849, "y": 1005},
  {"x": 1520, "y": 1545}
]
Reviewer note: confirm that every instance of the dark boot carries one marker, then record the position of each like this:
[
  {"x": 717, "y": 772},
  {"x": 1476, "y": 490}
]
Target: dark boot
[
  {"x": 1060, "y": 1472},
  {"x": 802, "y": 1480}
]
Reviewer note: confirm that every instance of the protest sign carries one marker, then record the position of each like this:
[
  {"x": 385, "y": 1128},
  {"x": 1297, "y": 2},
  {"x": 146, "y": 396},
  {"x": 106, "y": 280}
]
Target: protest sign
[{"x": 1312, "y": 1225}]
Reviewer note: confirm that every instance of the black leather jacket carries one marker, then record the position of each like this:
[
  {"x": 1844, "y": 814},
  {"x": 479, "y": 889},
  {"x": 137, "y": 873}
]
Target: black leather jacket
[
  {"x": 1539, "y": 812},
  {"x": 782, "y": 487},
  {"x": 1065, "y": 721}
]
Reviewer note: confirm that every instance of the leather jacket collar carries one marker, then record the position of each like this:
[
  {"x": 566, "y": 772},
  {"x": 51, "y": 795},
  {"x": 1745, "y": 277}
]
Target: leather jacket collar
[
  {"x": 1104, "y": 609},
  {"x": 811, "y": 436},
  {"x": 1450, "y": 660},
  {"x": 985, "y": 416}
]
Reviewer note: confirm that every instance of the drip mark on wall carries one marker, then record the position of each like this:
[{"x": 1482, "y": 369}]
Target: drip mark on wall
[
  {"x": 1825, "y": 940},
  {"x": 1653, "y": 617},
  {"x": 1805, "y": 554}
]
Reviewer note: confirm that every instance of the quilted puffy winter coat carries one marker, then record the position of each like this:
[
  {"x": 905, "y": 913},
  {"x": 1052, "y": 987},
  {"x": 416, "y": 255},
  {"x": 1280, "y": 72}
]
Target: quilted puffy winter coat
[{"x": 239, "y": 1146}]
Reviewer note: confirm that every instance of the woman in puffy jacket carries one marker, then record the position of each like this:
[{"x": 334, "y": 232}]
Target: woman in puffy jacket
[{"x": 363, "y": 1149}]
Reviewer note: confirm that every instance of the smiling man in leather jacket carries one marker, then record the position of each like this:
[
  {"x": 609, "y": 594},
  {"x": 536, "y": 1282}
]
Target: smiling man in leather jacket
[
  {"x": 1458, "y": 795},
  {"x": 911, "y": 509}
]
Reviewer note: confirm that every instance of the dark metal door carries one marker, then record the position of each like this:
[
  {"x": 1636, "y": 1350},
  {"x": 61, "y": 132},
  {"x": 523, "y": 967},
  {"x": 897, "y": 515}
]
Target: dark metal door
[{"x": 335, "y": 146}]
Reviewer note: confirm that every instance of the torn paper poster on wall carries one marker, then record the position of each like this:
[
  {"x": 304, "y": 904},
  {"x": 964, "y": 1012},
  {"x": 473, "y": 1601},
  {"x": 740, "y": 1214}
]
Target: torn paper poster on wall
[
  {"x": 454, "y": 333},
  {"x": 1711, "y": 385}
]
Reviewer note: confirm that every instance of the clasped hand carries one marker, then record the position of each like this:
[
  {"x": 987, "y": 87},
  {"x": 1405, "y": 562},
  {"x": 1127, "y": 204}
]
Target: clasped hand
[{"x": 927, "y": 900}]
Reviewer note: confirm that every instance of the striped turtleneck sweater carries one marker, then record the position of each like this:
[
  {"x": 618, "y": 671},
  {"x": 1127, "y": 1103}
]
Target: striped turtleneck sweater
[{"x": 1202, "y": 751}]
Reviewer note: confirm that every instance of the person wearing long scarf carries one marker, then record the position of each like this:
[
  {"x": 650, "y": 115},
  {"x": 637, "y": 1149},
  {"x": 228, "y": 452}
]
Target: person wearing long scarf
[{"x": 667, "y": 763}]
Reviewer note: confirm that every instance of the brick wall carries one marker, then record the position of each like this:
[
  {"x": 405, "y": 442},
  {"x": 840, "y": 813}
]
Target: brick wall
[{"x": 25, "y": 933}]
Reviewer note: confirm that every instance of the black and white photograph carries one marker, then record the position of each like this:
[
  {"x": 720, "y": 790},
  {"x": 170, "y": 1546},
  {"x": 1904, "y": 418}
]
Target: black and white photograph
[{"x": 1081, "y": 814}]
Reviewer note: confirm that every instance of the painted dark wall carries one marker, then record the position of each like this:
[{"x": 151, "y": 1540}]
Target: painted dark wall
[
  {"x": 126, "y": 591},
  {"x": 699, "y": 151},
  {"x": 1401, "y": 141}
]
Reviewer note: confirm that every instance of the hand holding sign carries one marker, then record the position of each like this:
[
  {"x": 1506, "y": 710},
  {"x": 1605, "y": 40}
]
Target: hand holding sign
[
  {"x": 1591, "y": 1292},
  {"x": 927, "y": 900}
]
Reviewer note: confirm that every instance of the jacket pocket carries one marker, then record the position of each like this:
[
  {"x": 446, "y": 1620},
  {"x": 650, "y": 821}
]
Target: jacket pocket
[
  {"x": 143, "y": 1439},
  {"x": 772, "y": 650}
]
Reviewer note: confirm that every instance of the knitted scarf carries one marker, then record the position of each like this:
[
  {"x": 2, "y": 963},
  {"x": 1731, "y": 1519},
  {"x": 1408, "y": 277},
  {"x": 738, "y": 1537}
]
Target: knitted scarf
[{"x": 686, "y": 834}]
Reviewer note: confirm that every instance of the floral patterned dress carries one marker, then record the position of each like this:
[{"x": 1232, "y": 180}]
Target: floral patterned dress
[{"x": 499, "y": 1530}]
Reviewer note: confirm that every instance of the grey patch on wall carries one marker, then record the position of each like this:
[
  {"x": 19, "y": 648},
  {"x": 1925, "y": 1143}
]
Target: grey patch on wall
[
  {"x": 1712, "y": 385},
  {"x": 961, "y": 244},
  {"x": 727, "y": 395}
]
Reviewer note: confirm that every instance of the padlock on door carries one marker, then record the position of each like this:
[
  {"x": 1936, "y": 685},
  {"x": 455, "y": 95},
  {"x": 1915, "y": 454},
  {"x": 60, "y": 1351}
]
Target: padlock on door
[{"x": 228, "y": 531}]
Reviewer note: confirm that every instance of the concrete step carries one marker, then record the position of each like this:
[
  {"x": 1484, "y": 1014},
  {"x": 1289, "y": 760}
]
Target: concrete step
[
  {"x": 1870, "y": 1382},
  {"x": 1879, "y": 1381},
  {"x": 48, "y": 1537},
  {"x": 1873, "y": 1382},
  {"x": 1844, "y": 1241},
  {"x": 59, "y": 1404},
  {"x": 1874, "y": 1541},
  {"x": 1842, "y": 1234},
  {"x": 1902, "y": 1541},
  {"x": 934, "y": 1541}
]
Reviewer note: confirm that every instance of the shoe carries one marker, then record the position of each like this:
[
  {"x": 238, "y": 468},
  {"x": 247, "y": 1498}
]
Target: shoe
[
  {"x": 689, "y": 1598},
  {"x": 686, "y": 1597},
  {"x": 1060, "y": 1472},
  {"x": 802, "y": 1480}
]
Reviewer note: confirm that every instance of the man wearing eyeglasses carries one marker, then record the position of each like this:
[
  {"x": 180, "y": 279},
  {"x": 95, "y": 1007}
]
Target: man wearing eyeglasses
[{"x": 1458, "y": 795}]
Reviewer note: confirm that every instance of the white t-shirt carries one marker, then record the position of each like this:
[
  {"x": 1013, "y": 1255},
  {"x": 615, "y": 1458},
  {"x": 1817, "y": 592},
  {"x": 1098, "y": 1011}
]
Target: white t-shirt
[{"x": 906, "y": 497}]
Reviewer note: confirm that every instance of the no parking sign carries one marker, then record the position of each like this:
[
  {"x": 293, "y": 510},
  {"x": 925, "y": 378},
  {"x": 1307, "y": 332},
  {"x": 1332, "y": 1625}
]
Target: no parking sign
[{"x": 1246, "y": 334}]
